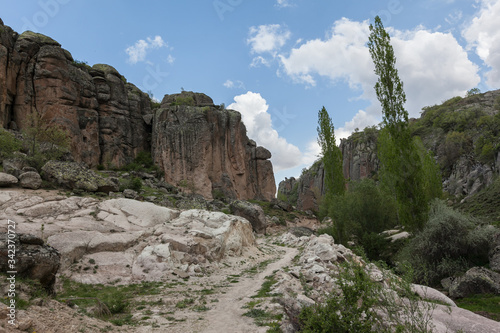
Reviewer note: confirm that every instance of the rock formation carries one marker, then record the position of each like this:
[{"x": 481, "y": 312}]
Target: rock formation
[
  {"x": 101, "y": 111},
  {"x": 204, "y": 149}
]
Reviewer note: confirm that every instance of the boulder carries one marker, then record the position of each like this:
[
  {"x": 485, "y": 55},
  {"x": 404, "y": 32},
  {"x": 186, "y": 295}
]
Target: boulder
[
  {"x": 74, "y": 175},
  {"x": 14, "y": 165},
  {"x": 30, "y": 180},
  {"x": 34, "y": 259},
  {"x": 7, "y": 180},
  {"x": 477, "y": 280},
  {"x": 253, "y": 213}
]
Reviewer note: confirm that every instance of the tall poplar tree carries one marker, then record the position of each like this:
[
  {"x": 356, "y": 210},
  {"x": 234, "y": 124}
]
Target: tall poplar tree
[
  {"x": 402, "y": 161},
  {"x": 331, "y": 156}
]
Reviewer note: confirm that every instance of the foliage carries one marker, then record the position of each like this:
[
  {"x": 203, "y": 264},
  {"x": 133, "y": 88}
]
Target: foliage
[
  {"x": 40, "y": 129},
  {"x": 353, "y": 311},
  {"x": 188, "y": 100},
  {"x": 142, "y": 162},
  {"x": 450, "y": 243},
  {"x": 331, "y": 155},
  {"x": 83, "y": 65},
  {"x": 360, "y": 214},
  {"x": 9, "y": 143},
  {"x": 487, "y": 305},
  {"x": 485, "y": 203},
  {"x": 401, "y": 171},
  {"x": 473, "y": 91},
  {"x": 365, "y": 306}
]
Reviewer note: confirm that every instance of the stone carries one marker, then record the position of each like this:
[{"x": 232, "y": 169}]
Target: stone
[
  {"x": 253, "y": 213},
  {"x": 7, "y": 180},
  {"x": 477, "y": 280},
  {"x": 14, "y": 165},
  {"x": 73, "y": 175},
  {"x": 31, "y": 180},
  {"x": 130, "y": 194},
  {"x": 204, "y": 149},
  {"x": 34, "y": 261}
]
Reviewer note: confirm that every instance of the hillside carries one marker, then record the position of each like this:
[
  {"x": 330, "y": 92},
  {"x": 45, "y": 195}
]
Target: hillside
[{"x": 462, "y": 133}]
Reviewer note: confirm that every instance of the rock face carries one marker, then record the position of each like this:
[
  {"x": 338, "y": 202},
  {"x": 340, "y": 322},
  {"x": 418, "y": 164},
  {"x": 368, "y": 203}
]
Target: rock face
[
  {"x": 101, "y": 111},
  {"x": 127, "y": 239},
  {"x": 204, "y": 149},
  {"x": 34, "y": 259}
]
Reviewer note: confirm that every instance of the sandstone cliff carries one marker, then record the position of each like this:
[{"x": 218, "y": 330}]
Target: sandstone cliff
[
  {"x": 204, "y": 148},
  {"x": 101, "y": 111},
  {"x": 201, "y": 148}
]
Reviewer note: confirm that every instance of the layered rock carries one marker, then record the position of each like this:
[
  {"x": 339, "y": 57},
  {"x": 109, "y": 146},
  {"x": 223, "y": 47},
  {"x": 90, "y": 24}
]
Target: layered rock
[
  {"x": 126, "y": 239},
  {"x": 204, "y": 149},
  {"x": 102, "y": 113}
]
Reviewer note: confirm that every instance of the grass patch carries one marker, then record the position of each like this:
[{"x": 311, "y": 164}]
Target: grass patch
[
  {"x": 265, "y": 290},
  {"x": 485, "y": 305}
]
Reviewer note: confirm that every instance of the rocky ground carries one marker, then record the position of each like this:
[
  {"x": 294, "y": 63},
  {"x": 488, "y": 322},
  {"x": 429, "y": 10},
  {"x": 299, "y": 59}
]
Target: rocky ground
[{"x": 165, "y": 270}]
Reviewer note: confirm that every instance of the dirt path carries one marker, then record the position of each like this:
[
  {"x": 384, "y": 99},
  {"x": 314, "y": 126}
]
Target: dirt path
[{"x": 227, "y": 316}]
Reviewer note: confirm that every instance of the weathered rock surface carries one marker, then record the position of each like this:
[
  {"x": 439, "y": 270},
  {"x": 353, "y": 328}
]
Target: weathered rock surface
[
  {"x": 73, "y": 175},
  {"x": 127, "y": 240},
  {"x": 33, "y": 259},
  {"x": 101, "y": 111},
  {"x": 204, "y": 149},
  {"x": 7, "y": 179},
  {"x": 252, "y": 213},
  {"x": 477, "y": 280},
  {"x": 30, "y": 179}
]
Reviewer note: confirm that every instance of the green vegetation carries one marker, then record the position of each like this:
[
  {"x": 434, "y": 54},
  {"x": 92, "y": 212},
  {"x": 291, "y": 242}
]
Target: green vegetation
[
  {"x": 361, "y": 214},
  {"x": 83, "y": 65},
  {"x": 331, "y": 156},
  {"x": 358, "y": 305},
  {"x": 485, "y": 204},
  {"x": 142, "y": 162},
  {"x": 486, "y": 305},
  {"x": 449, "y": 245},
  {"x": 188, "y": 100},
  {"x": 9, "y": 144},
  {"x": 406, "y": 171}
]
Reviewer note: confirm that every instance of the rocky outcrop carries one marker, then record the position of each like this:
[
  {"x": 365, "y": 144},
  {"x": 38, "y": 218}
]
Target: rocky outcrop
[
  {"x": 102, "y": 113},
  {"x": 33, "y": 259},
  {"x": 127, "y": 239},
  {"x": 477, "y": 280},
  {"x": 72, "y": 175},
  {"x": 204, "y": 149},
  {"x": 253, "y": 213}
]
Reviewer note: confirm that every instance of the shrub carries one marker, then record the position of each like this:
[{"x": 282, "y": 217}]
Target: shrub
[
  {"x": 353, "y": 311},
  {"x": 9, "y": 143},
  {"x": 450, "y": 243},
  {"x": 363, "y": 209}
]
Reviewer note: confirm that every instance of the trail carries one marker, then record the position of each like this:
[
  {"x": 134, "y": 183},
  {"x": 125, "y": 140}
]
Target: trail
[{"x": 227, "y": 316}]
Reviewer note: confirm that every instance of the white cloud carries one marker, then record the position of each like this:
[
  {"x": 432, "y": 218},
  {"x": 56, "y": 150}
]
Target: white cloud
[
  {"x": 234, "y": 84},
  {"x": 139, "y": 50},
  {"x": 483, "y": 34},
  {"x": 259, "y": 60},
  {"x": 268, "y": 38},
  {"x": 253, "y": 108},
  {"x": 360, "y": 121},
  {"x": 283, "y": 3},
  {"x": 170, "y": 59},
  {"x": 432, "y": 65}
]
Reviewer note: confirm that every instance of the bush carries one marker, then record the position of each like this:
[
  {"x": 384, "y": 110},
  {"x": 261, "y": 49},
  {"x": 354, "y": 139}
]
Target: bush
[
  {"x": 363, "y": 209},
  {"x": 9, "y": 144},
  {"x": 449, "y": 244},
  {"x": 353, "y": 311}
]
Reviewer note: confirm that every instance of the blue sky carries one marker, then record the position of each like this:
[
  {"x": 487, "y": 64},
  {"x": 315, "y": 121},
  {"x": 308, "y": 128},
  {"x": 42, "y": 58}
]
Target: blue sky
[{"x": 279, "y": 61}]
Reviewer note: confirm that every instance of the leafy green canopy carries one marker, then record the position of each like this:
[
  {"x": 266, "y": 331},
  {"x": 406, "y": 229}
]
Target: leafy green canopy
[
  {"x": 407, "y": 171},
  {"x": 331, "y": 155}
]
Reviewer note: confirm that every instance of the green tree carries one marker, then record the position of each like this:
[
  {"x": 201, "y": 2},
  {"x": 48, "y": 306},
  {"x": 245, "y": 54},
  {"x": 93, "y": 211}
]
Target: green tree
[
  {"x": 402, "y": 158},
  {"x": 331, "y": 155}
]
